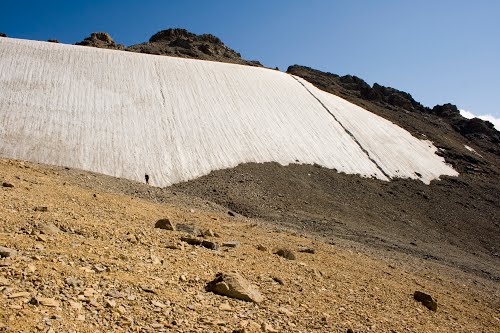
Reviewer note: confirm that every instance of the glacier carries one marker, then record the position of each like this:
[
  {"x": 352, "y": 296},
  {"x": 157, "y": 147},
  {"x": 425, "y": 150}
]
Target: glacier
[{"x": 127, "y": 114}]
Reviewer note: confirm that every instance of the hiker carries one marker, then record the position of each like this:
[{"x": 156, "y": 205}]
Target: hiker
[{"x": 147, "y": 178}]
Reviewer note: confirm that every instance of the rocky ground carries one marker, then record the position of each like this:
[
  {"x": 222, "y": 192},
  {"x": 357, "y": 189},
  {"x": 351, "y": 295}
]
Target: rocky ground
[{"x": 90, "y": 259}]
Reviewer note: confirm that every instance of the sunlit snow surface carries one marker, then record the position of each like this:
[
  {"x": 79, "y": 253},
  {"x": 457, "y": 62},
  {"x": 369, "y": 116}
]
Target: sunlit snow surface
[{"x": 127, "y": 115}]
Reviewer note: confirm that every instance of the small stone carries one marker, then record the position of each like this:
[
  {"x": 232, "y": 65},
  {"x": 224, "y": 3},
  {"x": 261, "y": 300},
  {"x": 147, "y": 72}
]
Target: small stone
[
  {"x": 4, "y": 282},
  {"x": 235, "y": 286},
  {"x": 73, "y": 282},
  {"x": 89, "y": 292},
  {"x": 23, "y": 294},
  {"x": 165, "y": 224},
  {"x": 261, "y": 247},
  {"x": 230, "y": 213},
  {"x": 41, "y": 209},
  {"x": 268, "y": 328},
  {"x": 190, "y": 229},
  {"x": 5, "y": 252},
  {"x": 305, "y": 249},
  {"x": 208, "y": 233},
  {"x": 285, "y": 253},
  {"x": 285, "y": 311},
  {"x": 192, "y": 240},
  {"x": 110, "y": 303},
  {"x": 210, "y": 245},
  {"x": 131, "y": 238},
  {"x": 94, "y": 303},
  {"x": 426, "y": 300},
  {"x": 349, "y": 330},
  {"x": 121, "y": 310},
  {"x": 231, "y": 244},
  {"x": 158, "y": 304},
  {"x": 41, "y": 238},
  {"x": 75, "y": 305},
  {"x": 50, "y": 302},
  {"x": 225, "y": 307},
  {"x": 80, "y": 317},
  {"x": 6, "y": 184},
  {"x": 47, "y": 228}
]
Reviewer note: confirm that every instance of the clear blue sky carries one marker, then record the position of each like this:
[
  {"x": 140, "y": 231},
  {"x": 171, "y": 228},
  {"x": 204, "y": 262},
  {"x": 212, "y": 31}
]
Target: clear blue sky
[{"x": 437, "y": 50}]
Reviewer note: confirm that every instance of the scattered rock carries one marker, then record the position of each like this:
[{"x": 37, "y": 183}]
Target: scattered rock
[
  {"x": 285, "y": 311},
  {"x": 159, "y": 304},
  {"x": 349, "y": 330},
  {"x": 5, "y": 252},
  {"x": 285, "y": 253},
  {"x": 20, "y": 294},
  {"x": 192, "y": 241},
  {"x": 426, "y": 300},
  {"x": 53, "y": 41},
  {"x": 4, "y": 282},
  {"x": 41, "y": 209},
  {"x": 131, "y": 238},
  {"x": 2, "y": 34},
  {"x": 305, "y": 249},
  {"x": 230, "y": 213},
  {"x": 210, "y": 245},
  {"x": 50, "y": 302},
  {"x": 235, "y": 286},
  {"x": 110, "y": 303},
  {"x": 101, "y": 40},
  {"x": 47, "y": 228},
  {"x": 231, "y": 244},
  {"x": 208, "y": 233},
  {"x": 5, "y": 184},
  {"x": 165, "y": 224},
  {"x": 261, "y": 247},
  {"x": 189, "y": 229}
]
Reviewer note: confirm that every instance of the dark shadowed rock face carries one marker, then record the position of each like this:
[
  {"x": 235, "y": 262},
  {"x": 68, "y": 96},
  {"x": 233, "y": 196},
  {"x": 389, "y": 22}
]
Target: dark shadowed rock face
[
  {"x": 2, "y": 34},
  {"x": 184, "y": 44},
  {"x": 101, "y": 40}
]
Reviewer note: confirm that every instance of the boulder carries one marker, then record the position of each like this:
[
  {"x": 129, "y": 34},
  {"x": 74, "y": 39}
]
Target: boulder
[
  {"x": 165, "y": 224},
  {"x": 426, "y": 300},
  {"x": 234, "y": 285}
]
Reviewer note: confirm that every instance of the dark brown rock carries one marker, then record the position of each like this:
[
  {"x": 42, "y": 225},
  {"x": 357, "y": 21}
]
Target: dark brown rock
[
  {"x": 285, "y": 253},
  {"x": 5, "y": 184},
  {"x": 165, "y": 224},
  {"x": 2, "y": 34},
  {"x": 426, "y": 300},
  {"x": 101, "y": 40}
]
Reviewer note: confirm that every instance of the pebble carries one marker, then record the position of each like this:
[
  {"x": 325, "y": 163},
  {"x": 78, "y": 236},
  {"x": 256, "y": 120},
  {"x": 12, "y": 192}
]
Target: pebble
[
  {"x": 225, "y": 307},
  {"x": 231, "y": 244},
  {"x": 20, "y": 294}
]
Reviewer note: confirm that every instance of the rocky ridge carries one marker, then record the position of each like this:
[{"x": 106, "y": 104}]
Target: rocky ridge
[{"x": 175, "y": 43}]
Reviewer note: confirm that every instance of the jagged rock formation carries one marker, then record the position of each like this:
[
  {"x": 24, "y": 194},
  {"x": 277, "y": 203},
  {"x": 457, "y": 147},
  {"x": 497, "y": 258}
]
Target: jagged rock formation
[
  {"x": 101, "y": 40},
  {"x": 184, "y": 44},
  {"x": 176, "y": 43}
]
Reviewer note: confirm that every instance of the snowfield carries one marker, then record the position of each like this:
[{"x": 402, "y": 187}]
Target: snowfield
[{"x": 126, "y": 115}]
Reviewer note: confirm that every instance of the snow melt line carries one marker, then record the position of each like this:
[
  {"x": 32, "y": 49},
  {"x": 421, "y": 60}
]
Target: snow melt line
[{"x": 345, "y": 129}]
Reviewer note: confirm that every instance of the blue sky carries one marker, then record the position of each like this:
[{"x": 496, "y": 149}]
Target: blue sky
[{"x": 439, "y": 51}]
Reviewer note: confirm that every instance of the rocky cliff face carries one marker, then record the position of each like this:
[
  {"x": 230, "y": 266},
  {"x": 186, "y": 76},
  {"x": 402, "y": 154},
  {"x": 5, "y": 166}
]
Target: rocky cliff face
[{"x": 101, "y": 40}]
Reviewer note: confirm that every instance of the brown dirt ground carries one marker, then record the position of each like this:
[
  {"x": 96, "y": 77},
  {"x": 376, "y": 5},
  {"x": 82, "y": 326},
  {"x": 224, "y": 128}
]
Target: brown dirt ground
[{"x": 341, "y": 286}]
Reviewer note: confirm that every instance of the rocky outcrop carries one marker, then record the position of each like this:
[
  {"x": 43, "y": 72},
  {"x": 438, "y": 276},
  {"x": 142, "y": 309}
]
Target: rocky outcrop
[
  {"x": 101, "y": 40},
  {"x": 184, "y": 44},
  {"x": 176, "y": 43},
  {"x": 2, "y": 34}
]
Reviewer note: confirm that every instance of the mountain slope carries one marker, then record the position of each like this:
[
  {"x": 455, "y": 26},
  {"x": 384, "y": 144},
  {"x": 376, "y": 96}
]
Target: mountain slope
[{"x": 128, "y": 115}]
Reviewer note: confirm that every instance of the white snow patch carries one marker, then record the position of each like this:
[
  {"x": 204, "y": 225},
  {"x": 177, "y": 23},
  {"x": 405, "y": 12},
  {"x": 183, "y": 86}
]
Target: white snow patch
[
  {"x": 127, "y": 115},
  {"x": 472, "y": 150}
]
